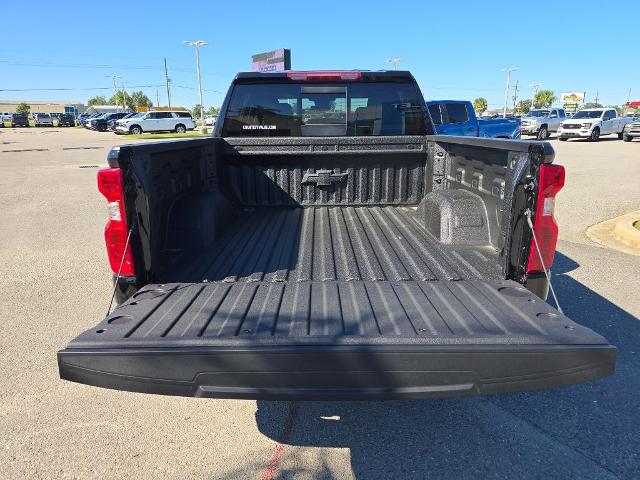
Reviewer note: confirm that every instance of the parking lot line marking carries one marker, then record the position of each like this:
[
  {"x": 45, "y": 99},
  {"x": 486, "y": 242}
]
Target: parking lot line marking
[
  {"x": 26, "y": 150},
  {"x": 82, "y": 148},
  {"x": 274, "y": 463}
]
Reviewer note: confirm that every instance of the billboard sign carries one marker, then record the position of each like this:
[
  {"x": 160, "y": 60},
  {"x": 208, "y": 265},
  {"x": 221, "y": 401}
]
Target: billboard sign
[
  {"x": 273, "y": 61},
  {"x": 572, "y": 97}
]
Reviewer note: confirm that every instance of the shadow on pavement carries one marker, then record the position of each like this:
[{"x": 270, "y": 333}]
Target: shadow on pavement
[{"x": 582, "y": 431}]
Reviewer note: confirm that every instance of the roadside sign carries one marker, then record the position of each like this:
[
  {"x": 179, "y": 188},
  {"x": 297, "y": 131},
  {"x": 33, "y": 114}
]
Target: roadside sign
[
  {"x": 572, "y": 97},
  {"x": 273, "y": 61}
]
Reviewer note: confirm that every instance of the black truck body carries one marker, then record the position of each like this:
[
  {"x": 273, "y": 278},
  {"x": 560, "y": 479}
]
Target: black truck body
[{"x": 319, "y": 265}]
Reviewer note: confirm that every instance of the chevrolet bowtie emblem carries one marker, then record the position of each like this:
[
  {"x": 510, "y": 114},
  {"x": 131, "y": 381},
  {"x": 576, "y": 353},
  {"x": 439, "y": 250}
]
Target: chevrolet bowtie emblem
[{"x": 323, "y": 178}]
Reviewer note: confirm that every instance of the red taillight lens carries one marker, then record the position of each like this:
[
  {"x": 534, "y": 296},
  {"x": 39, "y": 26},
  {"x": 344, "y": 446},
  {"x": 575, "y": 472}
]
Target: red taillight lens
[
  {"x": 324, "y": 76},
  {"x": 116, "y": 231},
  {"x": 544, "y": 225}
]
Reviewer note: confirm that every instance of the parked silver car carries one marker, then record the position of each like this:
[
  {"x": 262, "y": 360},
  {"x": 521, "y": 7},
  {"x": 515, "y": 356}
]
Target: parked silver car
[{"x": 42, "y": 120}]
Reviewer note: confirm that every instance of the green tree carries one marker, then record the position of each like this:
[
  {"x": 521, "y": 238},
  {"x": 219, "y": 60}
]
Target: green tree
[
  {"x": 23, "y": 108},
  {"x": 619, "y": 108},
  {"x": 139, "y": 99},
  {"x": 480, "y": 104},
  {"x": 544, "y": 99},
  {"x": 99, "y": 100},
  {"x": 592, "y": 105},
  {"x": 196, "y": 111},
  {"x": 213, "y": 111},
  {"x": 118, "y": 97},
  {"x": 524, "y": 106}
]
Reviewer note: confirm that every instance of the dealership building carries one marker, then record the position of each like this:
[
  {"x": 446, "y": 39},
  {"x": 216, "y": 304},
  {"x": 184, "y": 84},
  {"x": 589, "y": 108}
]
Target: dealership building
[{"x": 44, "y": 106}]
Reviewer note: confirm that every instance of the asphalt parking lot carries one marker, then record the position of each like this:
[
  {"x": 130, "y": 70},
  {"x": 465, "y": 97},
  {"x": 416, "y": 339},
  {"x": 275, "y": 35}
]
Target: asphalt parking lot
[{"x": 55, "y": 282}]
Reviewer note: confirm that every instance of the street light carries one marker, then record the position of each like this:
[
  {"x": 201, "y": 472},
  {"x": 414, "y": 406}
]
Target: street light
[
  {"x": 198, "y": 44},
  {"x": 534, "y": 86},
  {"x": 394, "y": 61},
  {"x": 506, "y": 92},
  {"x": 115, "y": 90}
]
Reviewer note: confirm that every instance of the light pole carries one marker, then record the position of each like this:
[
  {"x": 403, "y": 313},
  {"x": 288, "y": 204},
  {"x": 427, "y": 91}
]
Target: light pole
[
  {"x": 198, "y": 44},
  {"x": 534, "y": 92},
  {"x": 506, "y": 92},
  {"x": 115, "y": 90},
  {"x": 394, "y": 62}
]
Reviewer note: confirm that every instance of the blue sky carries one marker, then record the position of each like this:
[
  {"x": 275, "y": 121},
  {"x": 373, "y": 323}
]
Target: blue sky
[{"x": 455, "y": 51}]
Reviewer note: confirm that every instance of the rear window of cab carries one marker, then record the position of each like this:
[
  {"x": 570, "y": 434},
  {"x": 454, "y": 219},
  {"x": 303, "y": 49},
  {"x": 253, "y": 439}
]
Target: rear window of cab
[{"x": 332, "y": 109}]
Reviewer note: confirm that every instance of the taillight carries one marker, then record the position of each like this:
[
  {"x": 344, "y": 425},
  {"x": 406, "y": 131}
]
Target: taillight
[
  {"x": 116, "y": 231},
  {"x": 327, "y": 75},
  {"x": 545, "y": 227}
]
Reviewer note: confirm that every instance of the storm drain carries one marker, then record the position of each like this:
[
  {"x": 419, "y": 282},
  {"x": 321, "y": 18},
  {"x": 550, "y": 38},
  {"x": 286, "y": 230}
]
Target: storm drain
[{"x": 88, "y": 166}]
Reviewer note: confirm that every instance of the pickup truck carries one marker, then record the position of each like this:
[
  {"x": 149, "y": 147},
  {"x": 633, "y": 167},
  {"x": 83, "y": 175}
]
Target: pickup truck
[
  {"x": 592, "y": 123},
  {"x": 631, "y": 130},
  {"x": 324, "y": 244},
  {"x": 458, "y": 117},
  {"x": 542, "y": 121}
]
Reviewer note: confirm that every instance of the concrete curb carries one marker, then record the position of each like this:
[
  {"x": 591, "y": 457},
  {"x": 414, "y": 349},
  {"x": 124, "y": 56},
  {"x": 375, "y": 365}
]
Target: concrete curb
[
  {"x": 618, "y": 233},
  {"x": 625, "y": 232}
]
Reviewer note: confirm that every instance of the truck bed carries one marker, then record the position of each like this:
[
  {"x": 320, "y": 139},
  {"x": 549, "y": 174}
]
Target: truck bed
[
  {"x": 390, "y": 283},
  {"x": 290, "y": 296},
  {"x": 332, "y": 243}
]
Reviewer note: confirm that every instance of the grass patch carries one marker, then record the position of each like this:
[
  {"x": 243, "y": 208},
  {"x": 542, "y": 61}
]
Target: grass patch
[
  {"x": 636, "y": 224},
  {"x": 166, "y": 135}
]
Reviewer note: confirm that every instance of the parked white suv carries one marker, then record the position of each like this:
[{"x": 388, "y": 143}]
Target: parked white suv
[
  {"x": 541, "y": 121},
  {"x": 592, "y": 123},
  {"x": 153, "y": 121}
]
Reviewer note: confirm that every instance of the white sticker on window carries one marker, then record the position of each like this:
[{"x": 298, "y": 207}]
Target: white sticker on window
[{"x": 258, "y": 127}]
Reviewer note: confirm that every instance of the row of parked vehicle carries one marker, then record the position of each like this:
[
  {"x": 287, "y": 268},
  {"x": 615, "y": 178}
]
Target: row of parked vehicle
[
  {"x": 39, "y": 119},
  {"x": 136, "y": 123},
  {"x": 589, "y": 123}
]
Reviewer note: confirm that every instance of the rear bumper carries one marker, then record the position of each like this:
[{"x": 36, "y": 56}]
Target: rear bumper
[{"x": 337, "y": 372}]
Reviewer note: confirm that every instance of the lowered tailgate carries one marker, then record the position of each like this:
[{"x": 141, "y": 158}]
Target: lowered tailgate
[{"x": 335, "y": 339}]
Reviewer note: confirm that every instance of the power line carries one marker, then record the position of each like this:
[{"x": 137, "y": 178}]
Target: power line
[
  {"x": 76, "y": 65},
  {"x": 70, "y": 89}
]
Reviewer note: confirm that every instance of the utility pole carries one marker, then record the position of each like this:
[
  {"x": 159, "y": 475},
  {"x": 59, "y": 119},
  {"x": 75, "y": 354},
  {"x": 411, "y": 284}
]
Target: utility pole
[
  {"x": 515, "y": 96},
  {"x": 506, "y": 90},
  {"x": 629, "y": 97},
  {"x": 157, "y": 97},
  {"x": 394, "y": 62},
  {"x": 197, "y": 44},
  {"x": 124, "y": 96},
  {"x": 115, "y": 90},
  {"x": 597, "y": 95},
  {"x": 166, "y": 81},
  {"x": 534, "y": 92}
]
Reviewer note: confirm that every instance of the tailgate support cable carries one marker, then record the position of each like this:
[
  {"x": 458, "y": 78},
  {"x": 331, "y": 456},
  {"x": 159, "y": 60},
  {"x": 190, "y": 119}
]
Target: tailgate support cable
[
  {"x": 547, "y": 273},
  {"x": 115, "y": 283}
]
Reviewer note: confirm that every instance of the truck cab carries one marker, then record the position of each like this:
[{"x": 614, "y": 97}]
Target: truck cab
[{"x": 458, "y": 117}]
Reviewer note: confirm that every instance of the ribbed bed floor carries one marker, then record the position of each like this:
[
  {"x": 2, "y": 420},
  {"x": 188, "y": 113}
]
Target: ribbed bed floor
[{"x": 334, "y": 243}]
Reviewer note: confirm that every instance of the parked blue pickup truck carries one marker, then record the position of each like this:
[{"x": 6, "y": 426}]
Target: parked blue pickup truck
[{"x": 457, "y": 117}]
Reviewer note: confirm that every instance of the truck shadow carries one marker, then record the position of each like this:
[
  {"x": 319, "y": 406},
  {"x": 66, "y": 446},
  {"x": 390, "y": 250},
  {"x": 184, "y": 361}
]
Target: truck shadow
[{"x": 588, "y": 430}]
